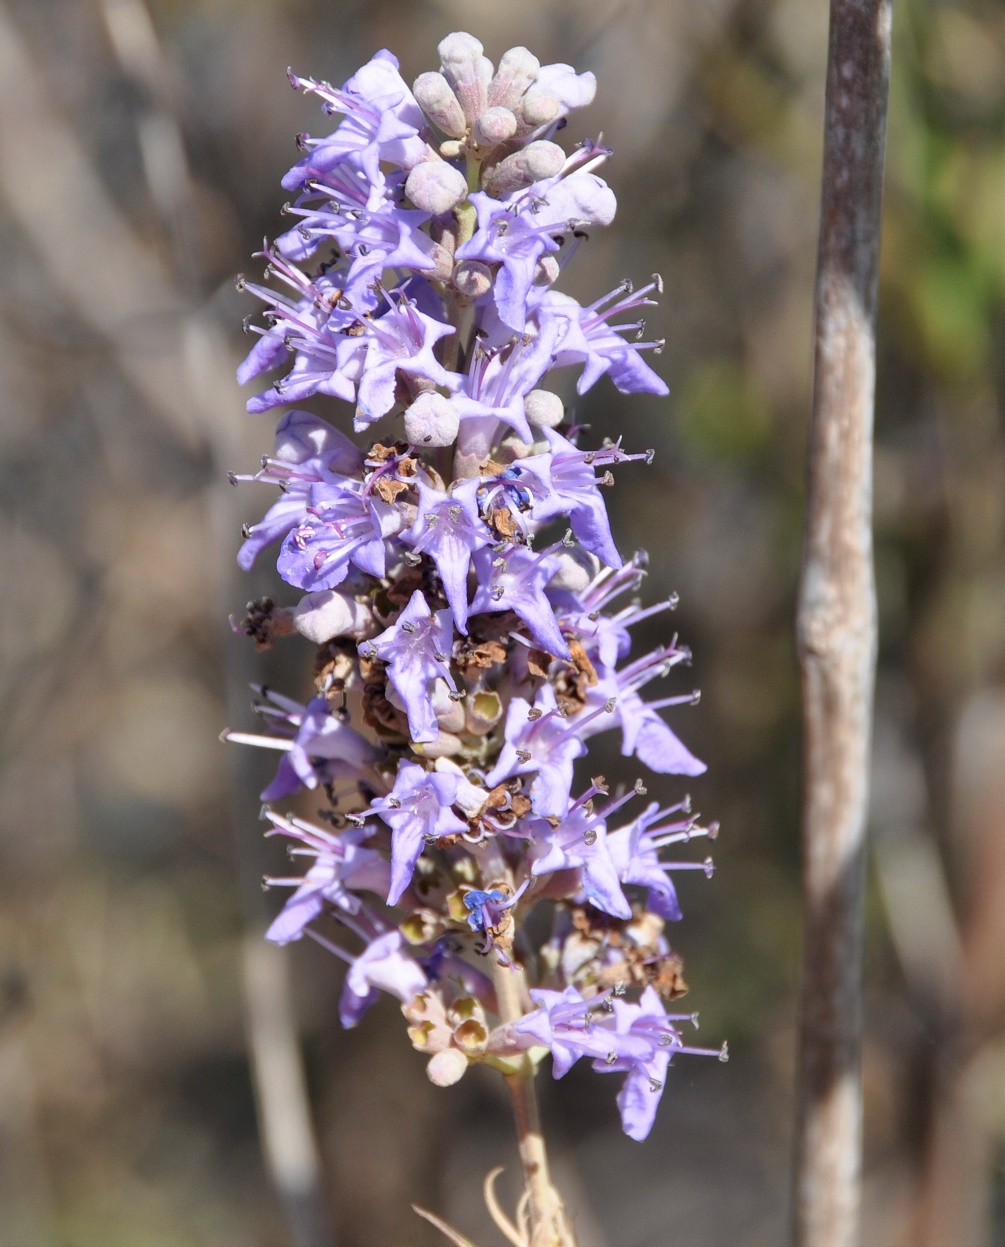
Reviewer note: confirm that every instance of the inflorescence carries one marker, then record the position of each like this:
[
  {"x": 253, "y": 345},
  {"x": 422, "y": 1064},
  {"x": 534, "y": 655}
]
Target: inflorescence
[{"x": 470, "y": 610}]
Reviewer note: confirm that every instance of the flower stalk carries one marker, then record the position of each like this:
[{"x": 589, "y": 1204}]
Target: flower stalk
[{"x": 464, "y": 649}]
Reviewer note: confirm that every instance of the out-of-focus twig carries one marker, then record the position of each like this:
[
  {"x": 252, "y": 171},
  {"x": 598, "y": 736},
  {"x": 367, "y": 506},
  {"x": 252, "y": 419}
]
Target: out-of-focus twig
[{"x": 837, "y": 625}]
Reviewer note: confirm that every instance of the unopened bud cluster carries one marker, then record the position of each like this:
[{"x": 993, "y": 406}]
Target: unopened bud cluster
[{"x": 469, "y": 610}]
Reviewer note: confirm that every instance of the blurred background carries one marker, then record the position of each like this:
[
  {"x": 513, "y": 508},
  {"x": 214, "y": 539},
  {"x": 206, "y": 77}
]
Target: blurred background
[{"x": 148, "y": 1039}]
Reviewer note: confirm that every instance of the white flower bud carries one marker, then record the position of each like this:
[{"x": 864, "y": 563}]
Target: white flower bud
[
  {"x": 546, "y": 270},
  {"x": 438, "y": 102},
  {"x": 436, "y": 187},
  {"x": 326, "y": 614},
  {"x": 449, "y": 713},
  {"x": 447, "y": 1067},
  {"x": 531, "y": 164},
  {"x": 576, "y": 570},
  {"x": 494, "y": 126},
  {"x": 538, "y": 108},
  {"x": 544, "y": 409},
  {"x": 517, "y": 70},
  {"x": 472, "y": 278},
  {"x": 432, "y": 420},
  {"x": 467, "y": 71},
  {"x": 443, "y": 263}
]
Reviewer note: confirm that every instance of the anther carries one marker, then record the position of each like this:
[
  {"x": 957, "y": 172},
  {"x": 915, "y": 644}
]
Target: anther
[
  {"x": 232, "y": 477},
  {"x": 724, "y": 1052},
  {"x": 523, "y": 756},
  {"x": 640, "y": 788},
  {"x": 245, "y": 531}
]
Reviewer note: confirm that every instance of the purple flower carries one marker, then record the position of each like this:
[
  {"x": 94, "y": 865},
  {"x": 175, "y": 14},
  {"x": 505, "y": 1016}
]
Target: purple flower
[
  {"x": 563, "y": 1022},
  {"x": 590, "y": 340},
  {"x": 417, "y": 809},
  {"x": 579, "y": 843},
  {"x": 539, "y": 742},
  {"x": 342, "y": 525},
  {"x": 324, "y": 747},
  {"x": 382, "y": 123},
  {"x": 567, "y": 484},
  {"x": 644, "y": 734},
  {"x": 635, "y": 851},
  {"x": 515, "y": 580},
  {"x": 402, "y": 339},
  {"x": 618, "y": 1035},
  {"x": 340, "y": 863},
  {"x": 416, "y": 648},
  {"x": 365, "y": 221},
  {"x": 449, "y": 528},
  {"x": 504, "y": 369},
  {"x": 383, "y": 966}
]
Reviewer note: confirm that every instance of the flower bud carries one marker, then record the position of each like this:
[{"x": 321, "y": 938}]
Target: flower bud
[
  {"x": 538, "y": 109},
  {"x": 517, "y": 70},
  {"x": 447, "y": 1067},
  {"x": 544, "y": 409},
  {"x": 443, "y": 263},
  {"x": 472, "y": 278},
  {"x": 327, "y": 614},
  {"x": 436, "y": 187},
  {"x": 531, "y": 164},
  {"x": 576, "y": 569},
  {"x": 546, "y": 270},
  {"x": 494, "y": 126},
  {"x": 449, "y": 713},
  {"x": 438, "y": 102},
  {"x": 467, "y": 71},
  {"x": 432, "y": 420}
]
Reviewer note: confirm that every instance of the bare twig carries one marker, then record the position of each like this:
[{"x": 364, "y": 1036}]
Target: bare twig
[{"x": 837, "y": 625}]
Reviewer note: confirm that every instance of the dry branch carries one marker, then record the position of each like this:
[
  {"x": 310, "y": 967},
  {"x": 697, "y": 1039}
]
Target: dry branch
[{"x": 837, "y": 625}]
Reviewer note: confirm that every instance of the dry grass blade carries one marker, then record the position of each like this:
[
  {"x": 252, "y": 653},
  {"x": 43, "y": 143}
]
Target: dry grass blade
[
  {"x": 448, "y": 1231},
  {"x": 507, "y": 1227}
]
